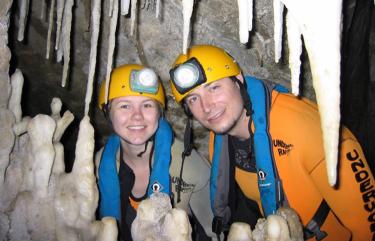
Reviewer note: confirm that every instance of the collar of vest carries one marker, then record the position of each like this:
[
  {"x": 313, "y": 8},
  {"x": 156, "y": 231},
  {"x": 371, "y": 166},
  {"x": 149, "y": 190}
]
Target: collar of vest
[
  {"x": 260, "y": 96},
  {"x": 109, "y": 184}
]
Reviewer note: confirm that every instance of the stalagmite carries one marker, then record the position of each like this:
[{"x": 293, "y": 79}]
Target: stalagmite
[
  {"x": 24, "y": 10},
  {"x": 322, "y": 41},
  {"x": 7, "y": 141},
  {"x": 61, "y": 124},
  {"x": 282, "y": 226},
  {"x": 42, "y": 154},
  {"x": 176, "y": 226},
  {"x": 95, "y": 27},
  {"x": 133, "y": 16},
  {"x": 41, "y": 204},
  {"x": 16, "y": 81},
  {"x": 187, "y": 10},
  {"x": 111, "y": 46},
  {"x": 125, "y": 7},
  {"x": 245, "y": 8},
  {"x": 294, "y": 223},
  {"x": 56, "y": 105},
  {"x": 59, "y": 15},
  {"x": 240, "y": 232},
  {"x": 20, "y": 128},
  {"x": 294, "y": 39},
  {"x": 277, "y": 229},
  {"x": 66, "y": 28},
  {"x": 156, "y": 220},
  {"x": 108, "y": 230},
  {"x": 50, "y": 27},
  {"x": 278, "y": 9}
]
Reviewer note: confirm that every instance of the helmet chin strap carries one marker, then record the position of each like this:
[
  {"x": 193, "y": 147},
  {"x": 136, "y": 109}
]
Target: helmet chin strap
[
  {"x": 245, "y": 96},
  {"x": 188, "y": 147}
]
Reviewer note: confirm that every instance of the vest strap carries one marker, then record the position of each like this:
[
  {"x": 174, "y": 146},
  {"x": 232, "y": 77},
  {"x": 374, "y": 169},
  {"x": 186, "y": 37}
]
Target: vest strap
[{"x": 313, "y": 227}]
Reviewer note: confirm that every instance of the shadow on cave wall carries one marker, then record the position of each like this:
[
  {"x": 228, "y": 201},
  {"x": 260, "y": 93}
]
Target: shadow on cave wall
[{"x": 358, "y": 75}]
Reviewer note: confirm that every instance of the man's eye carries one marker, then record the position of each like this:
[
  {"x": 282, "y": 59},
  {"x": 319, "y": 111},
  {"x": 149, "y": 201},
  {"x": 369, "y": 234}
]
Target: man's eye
[
  {"x": 192, "y": 99},
  {"x": 214, "y": 87}
]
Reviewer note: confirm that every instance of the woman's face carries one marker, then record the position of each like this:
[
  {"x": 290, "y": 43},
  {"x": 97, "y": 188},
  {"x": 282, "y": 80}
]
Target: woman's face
[{"x": 134, "y": 118}]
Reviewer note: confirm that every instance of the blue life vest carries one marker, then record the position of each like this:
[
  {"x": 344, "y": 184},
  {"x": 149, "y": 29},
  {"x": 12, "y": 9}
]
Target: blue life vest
[
  {"x": 109, "y": 184},
  {"x": 268, "y": 183}
]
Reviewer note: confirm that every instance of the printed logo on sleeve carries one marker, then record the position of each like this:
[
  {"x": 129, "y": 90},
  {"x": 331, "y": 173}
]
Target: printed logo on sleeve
[{"x": 282, "y": 147}]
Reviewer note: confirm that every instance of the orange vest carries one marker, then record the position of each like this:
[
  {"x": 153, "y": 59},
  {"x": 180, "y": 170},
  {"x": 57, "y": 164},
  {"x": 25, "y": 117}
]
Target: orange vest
[{"x": 298, "y": 151}]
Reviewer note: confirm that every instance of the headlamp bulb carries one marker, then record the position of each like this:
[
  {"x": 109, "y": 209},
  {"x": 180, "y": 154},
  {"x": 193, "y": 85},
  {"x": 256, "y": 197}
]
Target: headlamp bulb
[
  {"x": 147, "y": 77},
  {"x": 186, "y": 75},
  {"x": 144, "y": 81}
]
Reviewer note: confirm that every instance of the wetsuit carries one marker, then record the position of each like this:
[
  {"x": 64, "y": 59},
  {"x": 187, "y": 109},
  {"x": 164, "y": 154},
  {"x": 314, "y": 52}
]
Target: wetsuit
[{"x": 297, "y": 148}]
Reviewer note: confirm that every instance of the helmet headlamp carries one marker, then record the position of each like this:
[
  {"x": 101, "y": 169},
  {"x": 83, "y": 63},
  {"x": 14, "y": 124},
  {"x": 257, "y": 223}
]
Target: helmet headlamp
[
  {"x": 144, "y": 81},
  {"x": 187, "y": 75}
]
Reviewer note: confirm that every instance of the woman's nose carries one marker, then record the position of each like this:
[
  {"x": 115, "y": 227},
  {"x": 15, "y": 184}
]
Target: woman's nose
[{"x": 137, "y": 114}]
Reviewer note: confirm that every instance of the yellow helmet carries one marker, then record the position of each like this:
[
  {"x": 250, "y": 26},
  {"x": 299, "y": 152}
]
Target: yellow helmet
[
  {"x": 133, "y": 80},
  {"x": 202, "y": 64}
]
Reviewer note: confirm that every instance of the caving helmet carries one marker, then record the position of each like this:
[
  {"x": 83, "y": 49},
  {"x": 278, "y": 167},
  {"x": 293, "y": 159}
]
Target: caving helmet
[
  {"x": 132, "y": 80},
  {"x": 200, "y": 65}
]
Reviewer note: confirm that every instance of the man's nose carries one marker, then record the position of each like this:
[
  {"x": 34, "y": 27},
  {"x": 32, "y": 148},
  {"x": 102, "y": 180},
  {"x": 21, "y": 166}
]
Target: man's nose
[{"x": 207, "y": 104}]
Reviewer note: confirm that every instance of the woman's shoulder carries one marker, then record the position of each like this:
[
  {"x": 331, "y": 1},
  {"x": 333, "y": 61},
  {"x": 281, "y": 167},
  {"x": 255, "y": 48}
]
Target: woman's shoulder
[{"x": 195, "y": 162}]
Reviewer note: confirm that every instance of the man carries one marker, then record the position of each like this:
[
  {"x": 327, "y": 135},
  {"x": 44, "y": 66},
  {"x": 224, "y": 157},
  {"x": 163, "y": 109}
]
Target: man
[{"x": 269, "y": 144}]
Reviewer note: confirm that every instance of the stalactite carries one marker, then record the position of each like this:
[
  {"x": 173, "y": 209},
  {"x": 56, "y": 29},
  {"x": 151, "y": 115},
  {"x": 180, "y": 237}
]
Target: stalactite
[
  {"x": 24, "y": 9},
  {"x": 250, "y": 14},
  {"x": 50, "y": 27},
  {"x": 95, "y": 27},
  {"x": 125, "y": 7},
  {"x": 59, "y": 15},
  {"x": 66, "y": 28},
  {"x": 322, "y": 38},
  {"x": 43, "y": 9},
  {"x": 110, "y": 7},
  {"x": 245, "y": 19},
  {"x": 133, "y": 16},
  {"x": 187, "y": 10},
  {"x": 295, "y": 50},
  {"x": 111, "y": 46},
  {"x": 157, "y": 8},
  {"x": 278, "y": 9}
]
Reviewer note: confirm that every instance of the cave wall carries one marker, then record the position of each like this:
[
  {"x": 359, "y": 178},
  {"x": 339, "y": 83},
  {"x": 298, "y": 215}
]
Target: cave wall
[{"x": 156, "y": 43}]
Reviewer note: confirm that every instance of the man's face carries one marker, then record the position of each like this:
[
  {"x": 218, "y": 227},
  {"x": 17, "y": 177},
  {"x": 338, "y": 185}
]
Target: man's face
[
  {"x": 134, "y": 118},
  {"x": 217, "y": 105}
]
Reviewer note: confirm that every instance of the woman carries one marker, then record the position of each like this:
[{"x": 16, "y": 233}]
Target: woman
[{"x": 141, "y": 156}]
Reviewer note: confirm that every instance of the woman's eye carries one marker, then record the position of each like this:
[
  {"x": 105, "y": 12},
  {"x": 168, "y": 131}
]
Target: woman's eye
[
  {"x": 125, "y": 106},
  {"x": 149, "y": 105}
]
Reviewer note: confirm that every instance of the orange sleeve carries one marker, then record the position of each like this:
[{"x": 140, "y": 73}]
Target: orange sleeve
[{"x": 353, "y": 198}]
